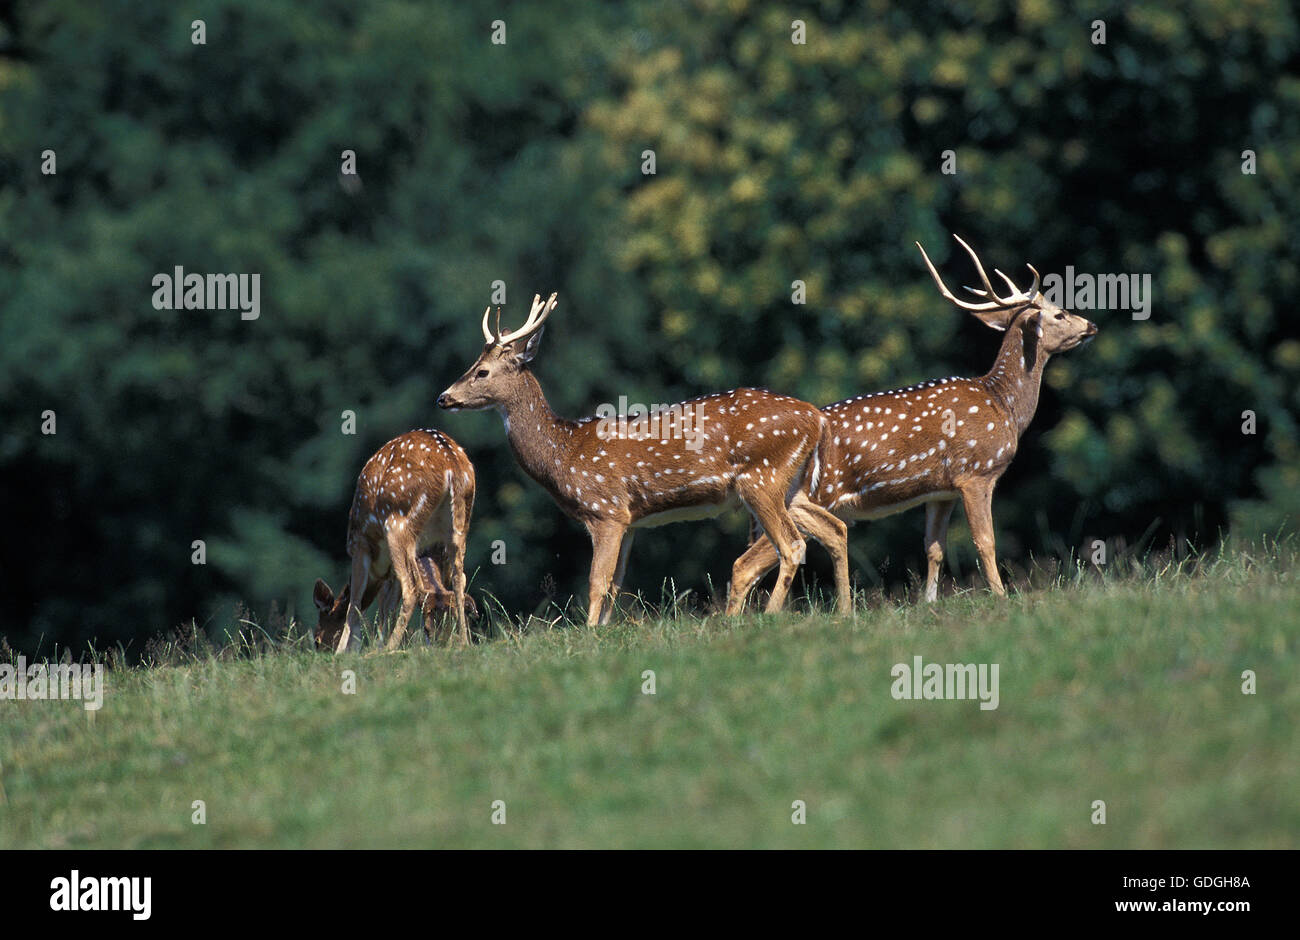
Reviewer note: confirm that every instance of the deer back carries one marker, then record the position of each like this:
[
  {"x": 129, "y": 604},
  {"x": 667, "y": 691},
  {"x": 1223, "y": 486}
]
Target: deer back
[{"x": 404, "y": 484}]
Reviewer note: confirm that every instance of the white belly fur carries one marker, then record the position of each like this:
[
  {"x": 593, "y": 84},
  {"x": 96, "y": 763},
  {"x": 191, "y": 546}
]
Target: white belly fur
[
  {"x": 687, "y": 513},
  {"x": 881, "y": 511}
]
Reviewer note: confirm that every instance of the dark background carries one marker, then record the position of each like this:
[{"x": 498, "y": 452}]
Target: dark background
[{"x": 522, "y": 162}]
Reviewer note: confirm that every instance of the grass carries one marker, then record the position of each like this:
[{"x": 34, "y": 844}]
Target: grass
[{"x": 1127, "y": 690}]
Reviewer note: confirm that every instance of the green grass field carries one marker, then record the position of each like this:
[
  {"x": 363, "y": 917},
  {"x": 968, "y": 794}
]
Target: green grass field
[{"x": 1128, "y": 691}]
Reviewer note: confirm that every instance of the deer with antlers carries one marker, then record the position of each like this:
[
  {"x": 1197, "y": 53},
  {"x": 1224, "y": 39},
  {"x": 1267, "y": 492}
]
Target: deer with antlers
[
  {"x": 693, "y": 461},
  {"x": 410, "y": 511},
  {"x": 939, "y": 441}
]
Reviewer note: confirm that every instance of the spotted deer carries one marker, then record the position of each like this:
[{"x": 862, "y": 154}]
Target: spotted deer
[
  {"x": 689, "y": 461},
  {"x": 413, "y": 502},
  {"x": 939, "y": 441}
]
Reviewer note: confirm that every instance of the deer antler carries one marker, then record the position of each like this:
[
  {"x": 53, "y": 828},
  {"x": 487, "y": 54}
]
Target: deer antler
[
  {"x": 1014, "y": 299},
  {"x": 492, "y": 336},
  {"x": 536, "y": 317}
]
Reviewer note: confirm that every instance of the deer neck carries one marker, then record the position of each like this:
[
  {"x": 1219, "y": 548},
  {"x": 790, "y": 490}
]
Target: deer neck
[
  {"x": 1017, "y": 375},
  {"x": 535, "y": 433}
]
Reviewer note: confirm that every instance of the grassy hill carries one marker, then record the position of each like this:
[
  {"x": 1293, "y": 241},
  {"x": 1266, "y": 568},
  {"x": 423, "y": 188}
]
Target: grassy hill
[{"x": 1127, "y": 690}]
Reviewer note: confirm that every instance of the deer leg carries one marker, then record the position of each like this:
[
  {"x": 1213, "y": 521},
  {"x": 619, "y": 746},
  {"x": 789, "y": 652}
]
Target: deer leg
[
  {"x": 350, "y": 638},
  {"x": 460, "y": 510},
  {"x": 937, "y": 515},
  {"x": 606, "y": 541},
  {"x": 780, "y": 528},
  {"x": 760, "y": 558},
  {"x": 401, "y": 546},
  {"x": 832, "y": 532},
  {"x": 620, "y": 570},
  {"x": 977, "y": 497},
  {"x": 812, "y": 520}
]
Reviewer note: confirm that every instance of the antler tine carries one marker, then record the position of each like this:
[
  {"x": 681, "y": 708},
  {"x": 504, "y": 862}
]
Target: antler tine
[
  {"x": 536, "y": 317},
  {"x": 1018, "y": 295},
  {"x": 535, "y": 309},
  {"x": 948, "y": 295},
  {"x": 992, "y": 294},
  {"x": 1038, "y": 281},
  {"x": 487, "y": 334}
]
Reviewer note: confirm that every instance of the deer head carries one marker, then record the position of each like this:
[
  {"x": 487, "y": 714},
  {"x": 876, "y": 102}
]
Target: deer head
[
  {"x": 494, "y": 377},
  {"x": 1055, "y": 329},
  {"x": 333, "y": 614}
]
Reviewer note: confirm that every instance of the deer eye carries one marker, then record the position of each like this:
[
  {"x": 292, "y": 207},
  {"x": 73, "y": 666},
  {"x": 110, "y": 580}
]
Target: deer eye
[
  {"x": 1060, "y": 316},
  {"x": 482, "y": 374}
]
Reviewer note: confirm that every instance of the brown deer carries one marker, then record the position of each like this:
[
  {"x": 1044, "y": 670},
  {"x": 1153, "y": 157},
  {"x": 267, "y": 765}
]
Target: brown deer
[
  {"x": 938, "y": 441},
  {"x": 692, "y": 460},
  {"x": 413, "y": 497}
]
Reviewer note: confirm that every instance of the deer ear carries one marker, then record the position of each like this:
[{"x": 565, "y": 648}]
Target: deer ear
[
  {"x": 997, "y": 319},
  {"x": 531, "y": 347},
  {"x": 323, "y": 596}
]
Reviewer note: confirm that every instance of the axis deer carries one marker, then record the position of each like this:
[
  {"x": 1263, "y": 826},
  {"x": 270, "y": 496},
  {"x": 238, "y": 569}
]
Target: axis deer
[
  {"x": 413, "y": 497},
  {"x": 941, "y": 440},
  {"x": 745, "y": 446}
]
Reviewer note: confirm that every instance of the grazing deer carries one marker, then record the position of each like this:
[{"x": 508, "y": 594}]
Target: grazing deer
[
  {"x": 413, "y": 496},
  {"x": 935, "y": 442},
  {"x": 689, "y": 461}
]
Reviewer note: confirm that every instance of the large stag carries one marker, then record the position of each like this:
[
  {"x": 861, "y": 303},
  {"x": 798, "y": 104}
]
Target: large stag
[
  {"x": 746, "y": 446},
  {"x": 938, "y": 441}
]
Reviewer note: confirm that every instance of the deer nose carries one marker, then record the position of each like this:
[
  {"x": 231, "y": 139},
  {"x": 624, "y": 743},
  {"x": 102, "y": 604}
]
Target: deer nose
[
  {"x": 1092, "y": 329},
  {"x": 443, "y": 400}
]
